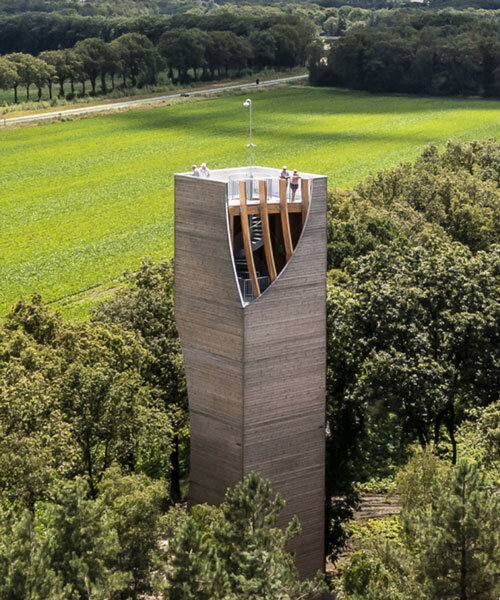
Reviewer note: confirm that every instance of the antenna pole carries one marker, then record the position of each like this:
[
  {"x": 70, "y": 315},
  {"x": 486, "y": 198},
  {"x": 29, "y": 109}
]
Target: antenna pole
[
  {"x": 248, "y": 104},
  {"x": 251, "y": 134}
]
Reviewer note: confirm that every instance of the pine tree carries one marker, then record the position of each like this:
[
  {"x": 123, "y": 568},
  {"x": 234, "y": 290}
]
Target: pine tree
[
  {"x": 236, "y": 552},
  {"x": 458, "y": 539}
]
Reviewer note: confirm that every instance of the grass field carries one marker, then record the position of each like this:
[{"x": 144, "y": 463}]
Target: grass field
[{"x": 81, "y": 201}]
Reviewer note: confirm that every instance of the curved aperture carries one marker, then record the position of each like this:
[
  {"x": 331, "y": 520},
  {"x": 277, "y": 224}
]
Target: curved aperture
[{"x": 266, "y": 219}]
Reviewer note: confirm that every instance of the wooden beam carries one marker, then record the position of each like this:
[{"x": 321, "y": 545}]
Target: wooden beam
[
  {"x": 285, "y": 221},
  {"x": 266, "y": 232},
  {"x": 304, "y": 188},
  {"x": 231, "y": 227},
  {"x": 247, "y": 242},
  {"x": 272, "y": 209}
]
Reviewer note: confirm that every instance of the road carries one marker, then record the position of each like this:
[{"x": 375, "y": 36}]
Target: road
[{"x": 126, "y": 103}]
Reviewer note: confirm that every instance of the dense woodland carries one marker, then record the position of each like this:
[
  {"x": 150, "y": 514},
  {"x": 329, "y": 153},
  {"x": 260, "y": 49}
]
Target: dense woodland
[
  {"x": 94, "y": 431},
  {"x": 446, "y": 52},
  {"x": 190, "y": 47},
  {"x": 151, "y": 7},
  {"x": 419, "y": 52}
]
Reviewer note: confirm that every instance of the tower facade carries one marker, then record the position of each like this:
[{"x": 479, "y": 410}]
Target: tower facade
[{"x": 250, "y": 305}]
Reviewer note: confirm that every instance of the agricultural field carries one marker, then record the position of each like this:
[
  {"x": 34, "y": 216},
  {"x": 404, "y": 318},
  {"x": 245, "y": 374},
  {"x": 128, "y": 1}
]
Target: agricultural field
[{"x": 81, "y": 201}]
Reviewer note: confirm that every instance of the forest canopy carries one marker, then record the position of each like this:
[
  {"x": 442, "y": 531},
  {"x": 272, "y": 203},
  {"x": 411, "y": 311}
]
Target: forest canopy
[{"x": 417, "y": 51}]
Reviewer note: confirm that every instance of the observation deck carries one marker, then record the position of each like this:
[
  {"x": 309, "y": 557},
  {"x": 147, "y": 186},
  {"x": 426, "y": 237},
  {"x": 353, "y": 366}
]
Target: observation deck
[{"x": 266, "y": 216}]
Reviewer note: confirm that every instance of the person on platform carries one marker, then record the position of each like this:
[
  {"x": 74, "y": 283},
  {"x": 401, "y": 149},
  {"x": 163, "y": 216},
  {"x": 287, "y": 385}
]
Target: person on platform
[
  {"x": 204, "y": 172},
  {"x": 294, "y": 183},
  {"x": 285, "y": 174},
  {"x": 196, "y": 171}
]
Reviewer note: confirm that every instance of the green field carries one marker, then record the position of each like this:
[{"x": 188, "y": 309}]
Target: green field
[{"x": 81, "y": 201}]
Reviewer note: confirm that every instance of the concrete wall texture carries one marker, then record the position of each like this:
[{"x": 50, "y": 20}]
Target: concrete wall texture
[{"x": 255, "y": 372}]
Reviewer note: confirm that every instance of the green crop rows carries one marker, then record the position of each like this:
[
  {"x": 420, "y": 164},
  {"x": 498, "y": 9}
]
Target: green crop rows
[{"x": 81, "y": 201}]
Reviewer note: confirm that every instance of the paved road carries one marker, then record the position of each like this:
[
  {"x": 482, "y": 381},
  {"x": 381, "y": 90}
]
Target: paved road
[{"x": 125, "y": 103}]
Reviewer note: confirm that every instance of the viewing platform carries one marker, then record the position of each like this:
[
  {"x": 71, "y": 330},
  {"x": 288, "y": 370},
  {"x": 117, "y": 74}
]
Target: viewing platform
[{"x": 266, "y": 216}]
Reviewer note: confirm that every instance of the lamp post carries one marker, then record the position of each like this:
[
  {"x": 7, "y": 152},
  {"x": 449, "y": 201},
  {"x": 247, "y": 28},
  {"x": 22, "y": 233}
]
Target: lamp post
[{"x": 248, "y": 104}]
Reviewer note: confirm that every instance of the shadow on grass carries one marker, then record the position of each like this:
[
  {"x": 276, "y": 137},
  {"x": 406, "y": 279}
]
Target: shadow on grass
[{"x": 298, "y": 103}]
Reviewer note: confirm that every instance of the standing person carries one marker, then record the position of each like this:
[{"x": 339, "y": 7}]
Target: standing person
[
  {"x": 257, "y": 81},
  {"x": 285, "y": 174},
  {"x": 294, "y": 183},
  {"x": 196, "y": 171},
  {"x": 204, "y": 172}
]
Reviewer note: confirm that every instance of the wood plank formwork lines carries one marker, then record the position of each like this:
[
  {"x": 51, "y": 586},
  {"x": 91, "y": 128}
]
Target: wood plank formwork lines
[
  {"x": 285, "y": 372},
  {"x": 255, "y": 371}
]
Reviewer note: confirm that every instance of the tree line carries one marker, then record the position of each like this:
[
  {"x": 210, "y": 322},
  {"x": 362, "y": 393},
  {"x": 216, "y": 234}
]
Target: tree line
[
  {"x": 33, "y": 33},
  {"x": 438, "y": 53},
  {"x": 134, "y": 58}
]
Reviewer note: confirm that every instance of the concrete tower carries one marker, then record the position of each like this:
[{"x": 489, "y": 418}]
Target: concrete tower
[{"x": 250, "y": 305}]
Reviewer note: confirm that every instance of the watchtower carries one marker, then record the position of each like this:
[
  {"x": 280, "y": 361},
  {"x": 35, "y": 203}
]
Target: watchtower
[{"x": 250, "y": 305}]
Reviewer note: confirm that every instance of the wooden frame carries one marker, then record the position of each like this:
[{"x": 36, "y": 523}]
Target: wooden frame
[
  {"x": 304, "y": 188},
  {"x": 247, "y": 240},
  {"x": 285, "y": 221},
  {"x": 266, "y": 232},
  {"x": 272, "y": 209},
  {"x": 231, "y": 227}
]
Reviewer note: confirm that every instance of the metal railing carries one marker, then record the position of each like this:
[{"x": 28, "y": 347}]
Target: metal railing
[{"x": 252, "y": 189}]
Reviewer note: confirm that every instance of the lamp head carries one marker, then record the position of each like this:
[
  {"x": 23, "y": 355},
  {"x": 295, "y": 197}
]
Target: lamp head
[{"x": 247, "y": 103}]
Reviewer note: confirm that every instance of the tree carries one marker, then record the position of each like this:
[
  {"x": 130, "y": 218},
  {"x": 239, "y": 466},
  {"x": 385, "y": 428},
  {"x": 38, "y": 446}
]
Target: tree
[
  {"x": 66, "y": 65},
  {"x": 216, "y": 51},
  {"x": 137, "y": 54},
  {"x": 240, "y": 53},
  {"x": 147, "y": 309},
  {"x": 263, "y": 48},
  {"x": 236, "y": 551},
  {"x": 184, "y": 49},
  {"x": 31, "y": 71},
  {"x": 134, "y": 507},
  {"x": 479, "y": 437},
  {"x": 411, "y": 359},
  {"x": 43, "y": 75},
  {"x": 224, "y": 49},
  {"x": 74, "y": 69},
  {"x": 8, "y": 75},
  {"x": 423, "y": 379},
  {"x": 458, "y": 539},
  {"x": 49, "y": 59},
  {"x": 73, "y": 546},
  {"x": 111, "y": 64},
  {"x": 414, "y": 52},
  {"x": 444, "y": 545},
  {"x": 67, "y": 549},
  {"x": 288, "y": 45},
  {"x": 92, "y": 53},
  {"x": 91, "y": 405}
]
